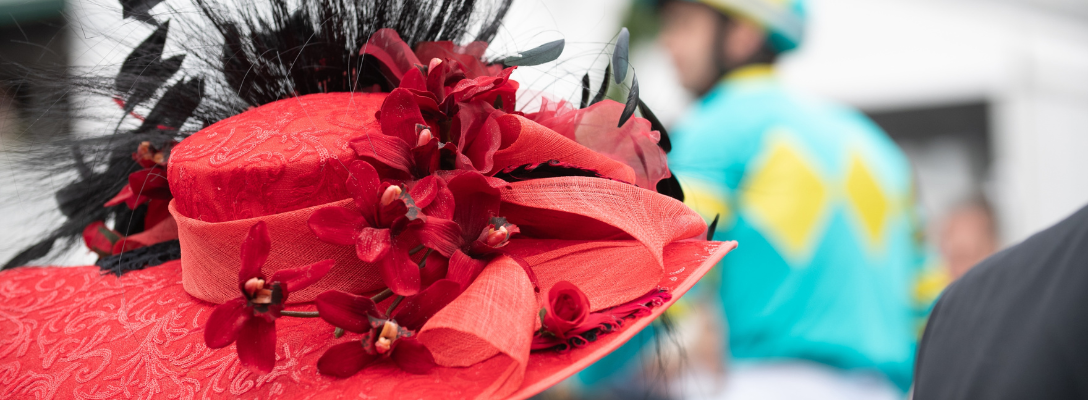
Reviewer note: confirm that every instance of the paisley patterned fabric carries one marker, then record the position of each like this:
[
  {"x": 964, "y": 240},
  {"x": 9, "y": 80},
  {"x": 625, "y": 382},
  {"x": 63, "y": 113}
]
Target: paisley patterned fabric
[{"x": 279, "y": 157}]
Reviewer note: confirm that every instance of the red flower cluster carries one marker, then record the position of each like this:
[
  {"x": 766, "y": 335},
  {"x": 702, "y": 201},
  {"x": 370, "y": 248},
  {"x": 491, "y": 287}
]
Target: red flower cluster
[
  {"x": 145, "y": 186},
  {"x": 425, "y": 211}
]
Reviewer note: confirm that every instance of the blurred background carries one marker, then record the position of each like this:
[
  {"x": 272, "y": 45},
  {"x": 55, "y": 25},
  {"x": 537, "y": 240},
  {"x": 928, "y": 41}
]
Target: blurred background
[{"x": 988, "y": 98}]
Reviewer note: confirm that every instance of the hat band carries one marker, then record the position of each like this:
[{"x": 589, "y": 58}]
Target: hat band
[{"x": 210, "y": 259}]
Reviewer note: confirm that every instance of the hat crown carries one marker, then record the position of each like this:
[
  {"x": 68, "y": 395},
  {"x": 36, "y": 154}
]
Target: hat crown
[{"x": 279, "y": 157}]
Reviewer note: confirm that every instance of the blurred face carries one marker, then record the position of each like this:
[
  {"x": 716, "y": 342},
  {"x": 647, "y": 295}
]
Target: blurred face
[
  {"x": 689, "y": 32},
  {"x": 967, "y": 237}
]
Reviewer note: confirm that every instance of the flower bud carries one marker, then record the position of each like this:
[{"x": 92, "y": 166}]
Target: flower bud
[
  {"x": 254, "y": 285},
  {"x": 425, "y": 137},
  {"x": 391, "y": 193},
  {"x": 497, "y": 237},
  {"x": 435, "y": 62}
]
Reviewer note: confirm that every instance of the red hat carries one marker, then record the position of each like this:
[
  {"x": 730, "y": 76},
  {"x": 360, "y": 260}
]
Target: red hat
[{"x": 431, "y": 242}]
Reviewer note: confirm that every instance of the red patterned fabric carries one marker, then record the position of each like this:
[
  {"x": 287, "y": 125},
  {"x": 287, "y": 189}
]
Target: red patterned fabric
[
  {"x": 279, "y": 157},
  {"x": 75, "y": 333}
]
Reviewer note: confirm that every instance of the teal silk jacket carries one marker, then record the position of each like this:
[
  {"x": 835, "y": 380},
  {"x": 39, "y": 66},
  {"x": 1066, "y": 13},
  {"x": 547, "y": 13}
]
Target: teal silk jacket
[{"x": 820, "y": 200}]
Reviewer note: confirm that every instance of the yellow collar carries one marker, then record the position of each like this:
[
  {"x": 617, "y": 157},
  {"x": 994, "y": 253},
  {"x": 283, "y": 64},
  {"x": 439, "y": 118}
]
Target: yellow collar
[{"x": 751, "y": 72}]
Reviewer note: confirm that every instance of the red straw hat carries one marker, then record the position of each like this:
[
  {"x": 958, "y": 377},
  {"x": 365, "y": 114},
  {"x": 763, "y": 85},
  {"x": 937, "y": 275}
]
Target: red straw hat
[{"x": 426, "y": 243}]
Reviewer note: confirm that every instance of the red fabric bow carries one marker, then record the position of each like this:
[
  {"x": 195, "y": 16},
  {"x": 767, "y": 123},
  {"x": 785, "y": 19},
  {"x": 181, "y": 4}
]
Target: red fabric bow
[{"x": 251, "y": 319}]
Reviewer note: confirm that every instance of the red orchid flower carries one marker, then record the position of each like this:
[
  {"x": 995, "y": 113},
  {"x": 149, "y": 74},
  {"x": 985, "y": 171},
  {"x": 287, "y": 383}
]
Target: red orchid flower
[
  {"x": 482, "y": 231},
  {"x": 421, "y": 133},
  {"x": 391, "y": 336},
  {"x": 389, "y": 221},
  {"x": 251, "y": 319}
]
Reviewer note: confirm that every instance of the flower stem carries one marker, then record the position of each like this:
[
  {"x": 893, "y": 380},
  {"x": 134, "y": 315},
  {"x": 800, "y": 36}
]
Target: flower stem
[
  {"x": 382, "y": 296},
  {"x": 394, "y": 305},
  {"x": 423, "y": 261},
  {"x": 300, "y": 314}
]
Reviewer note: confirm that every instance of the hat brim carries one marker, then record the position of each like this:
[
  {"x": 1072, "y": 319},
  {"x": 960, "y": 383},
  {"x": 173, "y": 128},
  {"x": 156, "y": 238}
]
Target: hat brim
[
  {"x": 686, "y": 263},
  {"x": 74, "y": 332}
]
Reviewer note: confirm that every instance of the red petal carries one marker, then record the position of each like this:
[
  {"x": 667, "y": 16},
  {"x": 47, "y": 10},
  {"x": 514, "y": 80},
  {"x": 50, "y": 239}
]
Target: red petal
[
  {"x": 413, "y": 80},
  {"x": 372, "y": 244},
  {"x": 425, "y": 190},
  {"x": 394, "y": 55},
  {"x": 399, "y": 272},
  {"x": 480, "y": 135},
  {"x": 336, "y": 225},
  {"x": 255, "y": 250},
  {"x": 390, "y": 151},
  {"x": 434, "y": 269},
  {"x": 441, "y": 202},
  {"x": 158, "y": 210},
  {"x": 442, "y": 235},
  {"x": 222, "y": 326},
  {"x": 345, "y": 359},
  {"x": 346, "y": 310},
  {"x": 413, "y": 357},
  {"x": 150, "y": 182},
  {"x": 122, "y": 197},
  {"x": 364, "y": 185},
  {"x": 464, "y": 269},
  {"x": 295, "y": 279},
  {"x": 416, "y": 310},
  {"x": 257, "y": 344},
  {"x": 100, "y": 239},
  {"x": 400, "y": 114},
  {"x": 476, "y": 202},
  {"x": 426, "y": 159}
]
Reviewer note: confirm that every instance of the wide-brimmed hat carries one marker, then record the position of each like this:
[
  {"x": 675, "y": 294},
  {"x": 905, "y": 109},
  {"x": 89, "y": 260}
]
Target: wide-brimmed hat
[{"x": 430, "y": 242}]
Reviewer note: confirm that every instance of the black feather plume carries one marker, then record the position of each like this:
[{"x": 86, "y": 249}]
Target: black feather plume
[
  {"x": 655, "y": 124},
  {"x": 603, "y": 90},
  {"x": 256, "y": 52}
]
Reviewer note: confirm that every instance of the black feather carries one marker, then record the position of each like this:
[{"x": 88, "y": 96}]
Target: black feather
[
  {"x": 256, "y": 52},
  {"x": 140, "y": 258},
  {"x": 632, "y": 101},
  {"x": 712, "y": 227},
  {"x": 551, "y": 169},
  {"x": 34, "y": 252},
  {"x": 670, "y": 187},
  {"x": 585, "y": 91},
  {"x": 139, "y": 10},
  {"x": 603, "y": 90},
  {"x": 620, "y": 56},
  {"x": 544, "y": 53},
  {"x": 153, "y": 78},
  {"x": 145, "y": 54},
  {"x": 175, "y": 107},
  {"x": 656, "y": 125}
]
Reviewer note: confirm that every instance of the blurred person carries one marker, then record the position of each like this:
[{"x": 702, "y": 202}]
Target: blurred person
[
  {"x": 968, "y": 236},
  {"x": 1013, "y": 327},
  {"x": 819, "y": 299}
]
